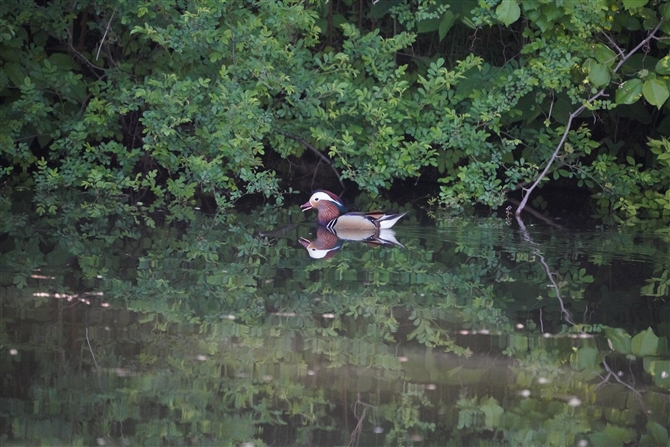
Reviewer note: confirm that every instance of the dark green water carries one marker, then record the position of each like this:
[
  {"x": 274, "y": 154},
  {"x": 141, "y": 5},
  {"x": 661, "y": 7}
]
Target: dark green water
[{"x": 464, "y": 332}]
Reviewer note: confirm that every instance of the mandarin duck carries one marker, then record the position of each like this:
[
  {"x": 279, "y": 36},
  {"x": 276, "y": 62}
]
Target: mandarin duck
[
  {"x": 333, "y": 215},
  {"x": 328, "y": 242}
]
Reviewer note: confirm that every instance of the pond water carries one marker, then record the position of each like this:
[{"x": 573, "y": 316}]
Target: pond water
[{"x": 260, "y": 330}]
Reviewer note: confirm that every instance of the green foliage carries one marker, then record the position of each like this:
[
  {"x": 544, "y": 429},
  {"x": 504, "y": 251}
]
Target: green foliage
[
  {"x": 146, "y": 106},
  {"x": 159, "y": 108},
  {"x": 632, "y": 195}
]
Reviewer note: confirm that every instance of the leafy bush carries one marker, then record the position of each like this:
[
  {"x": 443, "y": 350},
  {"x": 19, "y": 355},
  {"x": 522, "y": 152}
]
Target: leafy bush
[{"x": 156, "y": 105}]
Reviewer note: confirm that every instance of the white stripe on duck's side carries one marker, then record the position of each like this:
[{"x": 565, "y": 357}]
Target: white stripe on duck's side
[{"x": 333, "y": 215}]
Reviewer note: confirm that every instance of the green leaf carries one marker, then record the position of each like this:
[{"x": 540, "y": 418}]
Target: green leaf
[
  {"x": 508, "y": 12},
  {"x": 659, "y": 371},
  {"x": 380, "y": 9},
  {"x": 618, "y": 435},
  {"x": 629, "y": 92},
  {"x": 492, "y": 413},
  {"x": 604, "y": 55},
  {"x": 618, "y": 339},
  {"x": 428, "y": 26},
  {"x": 63, "y": 61},
  {"x": 663, "y": 66},
  {"x": 447, "y": 22},
  {"x": 587, "y": 358},
  {"x": 15, "y": 73},
  {"x": 655, "y": 92},
  {"x": 634, "y": 4},
  {"x": 658, "y": 432},
  {"x": 599, "y": 75},
  {"x": 645, "y": 343}
]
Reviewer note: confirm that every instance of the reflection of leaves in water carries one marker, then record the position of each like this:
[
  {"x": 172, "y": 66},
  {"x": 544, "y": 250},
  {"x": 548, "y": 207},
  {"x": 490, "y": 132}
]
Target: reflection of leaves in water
[{"x": 214, "y": 333}]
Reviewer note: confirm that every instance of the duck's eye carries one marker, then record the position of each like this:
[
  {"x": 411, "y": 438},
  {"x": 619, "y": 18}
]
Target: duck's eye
[{"x": 316, "y": 199}]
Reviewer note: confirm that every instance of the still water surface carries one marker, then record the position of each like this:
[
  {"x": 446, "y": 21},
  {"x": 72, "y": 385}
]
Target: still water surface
[{"x": 264, "y": 331}]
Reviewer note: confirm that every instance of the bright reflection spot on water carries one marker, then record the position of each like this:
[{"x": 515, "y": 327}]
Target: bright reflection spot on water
[
  {"x": 105, "y": 304},
  {"x": 546, "y": 335},
  {"x": 574, "y": 402},
  {"x": 431, "y": 386},
  {"x": 328, "y": 315},
  {"x": 13, "y": 351},
  {"x": 664, "y": 375},
  {"x": 201, "y": 357},
  {"x": 524, "y": 393},
  {"x": 42, "y": 277},
  {"x": 464, "y": 332},
  {"x": 484, "y": 331},
  {"x": 416, "y": 438},
  {"x": 310, "y": 372},
  {"x": 267, "y": 377},
  {"x": 248, "y": 444},
  {"x": 403, "y": 359},
  {"x": 582, "y": 443},
  {"x": 378, "y": 430},
  {"x": 519, "y": 326},
  {"x": 543, "y": 380},
  {"x": 101, "y": 441}
]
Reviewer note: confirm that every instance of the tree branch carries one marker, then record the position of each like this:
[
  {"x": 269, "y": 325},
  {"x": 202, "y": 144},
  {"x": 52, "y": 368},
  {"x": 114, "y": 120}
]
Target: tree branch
[
  {"x": 573, "y": 115},
  {"x": 317, "y": 153},
  {"x": 105, "y": 35}
]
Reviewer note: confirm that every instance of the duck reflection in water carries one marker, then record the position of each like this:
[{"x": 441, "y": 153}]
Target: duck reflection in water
[{"x": 328, "y": 242}]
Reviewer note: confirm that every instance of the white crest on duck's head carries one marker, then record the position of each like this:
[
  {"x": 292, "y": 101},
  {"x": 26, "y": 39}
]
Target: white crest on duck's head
[
  {"x": 315, "y": 253},
  {"x": 317, "y": 249},
  {"x": 328, "y": 204},
  {"x": 321, "y": 196}
]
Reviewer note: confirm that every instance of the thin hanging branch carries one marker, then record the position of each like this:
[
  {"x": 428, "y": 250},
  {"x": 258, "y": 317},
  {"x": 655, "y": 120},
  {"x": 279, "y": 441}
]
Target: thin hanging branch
[
  {"x": 527, "y": 191},
  {"x": 355, "y": 436},
  {"x": 317, "y": 153},
  {"x": 97, "y": 55},
  {"x": 567, "y": 315}
]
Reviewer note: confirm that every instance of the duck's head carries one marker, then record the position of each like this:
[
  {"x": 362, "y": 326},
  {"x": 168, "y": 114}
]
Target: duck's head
[
  {"x": 324, "y": 246},
  {"x": 316, "y": 251},
  {"x": 322, "y": 198},
  {"x": 327, "y": 204}
]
